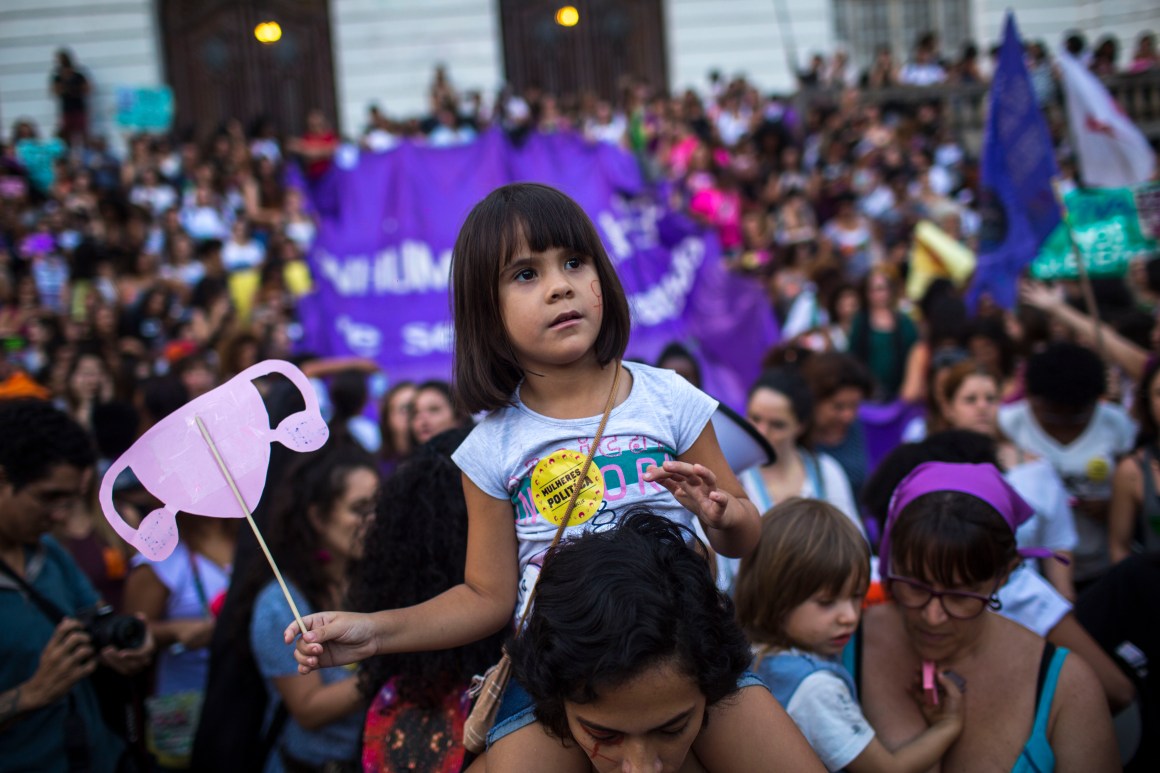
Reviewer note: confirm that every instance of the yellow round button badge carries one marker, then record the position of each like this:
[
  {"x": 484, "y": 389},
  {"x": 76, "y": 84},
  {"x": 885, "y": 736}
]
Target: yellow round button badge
[
  {"x": 553, "y": 481},
  {"x": 1098, "y": 469}
]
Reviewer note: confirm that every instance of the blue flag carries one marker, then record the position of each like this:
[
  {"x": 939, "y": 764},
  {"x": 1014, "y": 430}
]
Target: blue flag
[{"x": 1016, "y": 202}]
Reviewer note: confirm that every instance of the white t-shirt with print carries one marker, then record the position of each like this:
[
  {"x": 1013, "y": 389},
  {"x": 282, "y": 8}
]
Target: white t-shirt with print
[
  {"x": 533, "y": 461},
  {"x": 1085, "y": 465},
  {"x": 830, "y": 719}
]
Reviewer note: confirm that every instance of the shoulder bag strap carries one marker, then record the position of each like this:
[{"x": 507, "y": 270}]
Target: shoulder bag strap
[
  {"x": 50, "y": 609},
  {"x": 814, "y": 470},
  {"x": 579, "y": 485},
  {"x": 274, "y": 731},
  {"x": 198, "y": 585}
]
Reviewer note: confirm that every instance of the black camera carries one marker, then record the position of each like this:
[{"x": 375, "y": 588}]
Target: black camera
[{"x": 107, "y": 629}]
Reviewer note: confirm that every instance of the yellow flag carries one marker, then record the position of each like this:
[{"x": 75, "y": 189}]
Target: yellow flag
[{"x": 936, "y": 254}]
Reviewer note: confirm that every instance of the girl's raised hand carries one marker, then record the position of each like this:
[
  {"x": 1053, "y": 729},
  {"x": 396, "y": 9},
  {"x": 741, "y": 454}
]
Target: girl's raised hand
[
  {"x": 695, "y": 487},
  {"x": 332, "y": 639}
]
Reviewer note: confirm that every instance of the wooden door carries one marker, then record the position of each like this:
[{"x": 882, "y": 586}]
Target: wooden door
[
  {"x": 218, "y": 70},
  {"x": 613, "y": 39}
]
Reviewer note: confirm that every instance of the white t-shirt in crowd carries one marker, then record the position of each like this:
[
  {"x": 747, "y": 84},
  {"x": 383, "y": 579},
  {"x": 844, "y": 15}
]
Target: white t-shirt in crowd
[
  {"x": 534, "y": 461},
  {"x": 732, "y": 126},
  {"x": 939, "y": 179},
  {"x": 1031, "y": 601},
  {"x": 204, "y": 223},
  {"x": 830, "y": 719},
  {"x": 830, "y": 485},
  {"x": 804, "y": 314},
  {"x": 380, "y": 140},
  {"x": 877, "y": 202},
  {"x": 241, "y": 256},
  {"x": 1085, "y": 466},
  {"x": 915, "y": 74},
  {"x": 301, "y": 232},
  {"x": 612, "y": 132},
  {"x": 156, "y": 199},
  {"x": 189, "y": 274},
  {"x": 1052, "y": 526},
  {"x": 179, "y": 669}
]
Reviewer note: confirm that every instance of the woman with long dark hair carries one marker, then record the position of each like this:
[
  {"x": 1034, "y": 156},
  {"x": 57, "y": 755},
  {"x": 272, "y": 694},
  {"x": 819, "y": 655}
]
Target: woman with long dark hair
[
  {"x": 315, "y": 531},
  {"x": 415, "y": 549},
  {"x": 881, "y": 336},
  {"x": 395, "y": 424},
  {"x": 435, "y": 409}
]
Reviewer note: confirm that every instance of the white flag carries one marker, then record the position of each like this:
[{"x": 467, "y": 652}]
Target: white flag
[{"x": 1112, "y": 153}]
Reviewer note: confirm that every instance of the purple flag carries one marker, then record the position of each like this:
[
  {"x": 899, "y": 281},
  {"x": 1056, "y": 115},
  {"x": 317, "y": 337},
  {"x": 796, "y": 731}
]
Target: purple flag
[
  {"x": 389, "y": 220},
  {"x": 884, "y": 424},
  {"x": 1015, "y": 198}
]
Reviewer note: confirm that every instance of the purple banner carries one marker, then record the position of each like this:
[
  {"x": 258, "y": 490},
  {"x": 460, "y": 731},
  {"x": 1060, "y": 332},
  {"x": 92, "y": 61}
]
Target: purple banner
[{"x": 388, "y": 222}]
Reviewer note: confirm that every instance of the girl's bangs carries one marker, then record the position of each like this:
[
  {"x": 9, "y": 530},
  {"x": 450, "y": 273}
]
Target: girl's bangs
[
  {"x": 840, "y": 563},
  {"x": 542, "y": 221}
]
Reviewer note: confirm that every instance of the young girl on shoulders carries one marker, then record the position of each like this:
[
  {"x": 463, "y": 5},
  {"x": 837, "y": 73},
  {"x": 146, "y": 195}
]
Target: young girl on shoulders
[
  {"x": 799, "y": 596},
  {"x": 541, "y": 324}
]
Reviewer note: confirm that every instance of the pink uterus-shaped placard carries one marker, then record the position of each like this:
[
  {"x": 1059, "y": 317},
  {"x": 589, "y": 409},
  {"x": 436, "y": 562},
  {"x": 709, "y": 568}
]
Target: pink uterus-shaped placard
[{"x": 175, "y": 464}]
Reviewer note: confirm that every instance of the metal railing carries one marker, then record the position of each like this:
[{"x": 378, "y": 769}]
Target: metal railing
[{"x": 964, "y": 106}]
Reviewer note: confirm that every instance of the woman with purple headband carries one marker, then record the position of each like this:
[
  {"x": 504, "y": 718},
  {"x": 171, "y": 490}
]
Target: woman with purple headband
[{"x": 948, "y": 545}]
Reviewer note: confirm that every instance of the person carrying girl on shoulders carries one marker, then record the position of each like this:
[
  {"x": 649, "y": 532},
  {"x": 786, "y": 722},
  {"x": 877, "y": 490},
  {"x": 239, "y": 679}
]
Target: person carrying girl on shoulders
[
  {"x": 541, "y": 325},
  {"x": 799, "y": 597},
  {"x": 629, "y": 669}
]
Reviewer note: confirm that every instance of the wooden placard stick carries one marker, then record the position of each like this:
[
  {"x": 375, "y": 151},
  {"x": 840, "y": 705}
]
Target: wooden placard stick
[{"x": 250, "y": 518}]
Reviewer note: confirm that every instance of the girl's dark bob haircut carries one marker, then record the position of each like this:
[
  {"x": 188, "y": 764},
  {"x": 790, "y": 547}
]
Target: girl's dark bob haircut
[
  {"x": 612, "y": 604},
  {"x": 952, "y": 539},
  {"x": 519, "y": 216}
]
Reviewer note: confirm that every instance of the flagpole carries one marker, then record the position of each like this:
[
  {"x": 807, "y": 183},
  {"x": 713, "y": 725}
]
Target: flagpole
[
  {"x": 787, "y": 45},
  {"x": 1085, "y": 281}
]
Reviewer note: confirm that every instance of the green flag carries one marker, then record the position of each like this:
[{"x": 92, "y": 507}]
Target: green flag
[{"x": 1105, "y": 226}]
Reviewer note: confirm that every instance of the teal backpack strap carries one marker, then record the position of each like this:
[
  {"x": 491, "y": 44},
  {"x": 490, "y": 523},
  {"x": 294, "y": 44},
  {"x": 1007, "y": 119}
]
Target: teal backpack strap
[{"x": 814, "y": 470}]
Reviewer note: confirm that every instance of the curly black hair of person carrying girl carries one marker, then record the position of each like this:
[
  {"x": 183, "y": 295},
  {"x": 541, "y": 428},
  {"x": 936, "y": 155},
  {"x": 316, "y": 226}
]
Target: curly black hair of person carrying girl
[
  {"x": 611, "y": 604},
  {"x": 415, "y": 549}
]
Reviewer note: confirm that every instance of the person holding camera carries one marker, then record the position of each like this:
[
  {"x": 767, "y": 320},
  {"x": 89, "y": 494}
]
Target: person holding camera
[{"x": 58, "y": 634}]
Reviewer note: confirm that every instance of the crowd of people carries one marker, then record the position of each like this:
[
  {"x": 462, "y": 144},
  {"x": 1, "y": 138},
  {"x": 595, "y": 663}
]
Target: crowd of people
[
  {"x": 1010, "y": 537},
  {"x": 927, "y": 65}
]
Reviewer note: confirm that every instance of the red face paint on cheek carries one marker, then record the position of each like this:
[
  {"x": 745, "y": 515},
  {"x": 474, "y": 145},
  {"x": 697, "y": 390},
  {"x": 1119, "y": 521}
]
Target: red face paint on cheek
[
  {"x": 594, "y": 752},
  {"x": 595, "y": 287}
]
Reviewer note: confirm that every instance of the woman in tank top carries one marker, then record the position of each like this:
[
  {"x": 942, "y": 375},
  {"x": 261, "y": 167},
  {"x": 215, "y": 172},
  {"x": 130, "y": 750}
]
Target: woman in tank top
[
  {"x": 1134, "y": 514},
  {"x": 949, "y": 544}
]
